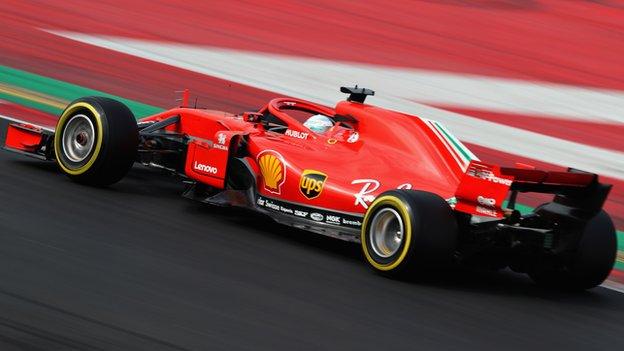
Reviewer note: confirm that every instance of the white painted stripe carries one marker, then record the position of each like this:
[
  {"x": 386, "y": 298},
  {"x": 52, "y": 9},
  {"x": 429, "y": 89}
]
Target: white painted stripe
[
  {"x": 318, "y": 80},
  {"x": 615, "y": 286}
]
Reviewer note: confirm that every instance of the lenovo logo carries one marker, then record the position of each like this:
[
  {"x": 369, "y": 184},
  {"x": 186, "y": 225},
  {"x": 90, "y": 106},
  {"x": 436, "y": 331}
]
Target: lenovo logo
[{"x": 204, "y": 168}]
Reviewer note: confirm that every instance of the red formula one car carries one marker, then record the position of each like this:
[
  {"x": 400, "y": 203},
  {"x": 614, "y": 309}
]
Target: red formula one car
[{"x": 404, "y": 186}]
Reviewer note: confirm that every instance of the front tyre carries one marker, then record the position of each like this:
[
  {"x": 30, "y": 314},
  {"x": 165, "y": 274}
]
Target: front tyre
[
  {"x": 589, "y": 265},
  {"x": 96, "y": 140},
  {"x": 407, "y": 231}
]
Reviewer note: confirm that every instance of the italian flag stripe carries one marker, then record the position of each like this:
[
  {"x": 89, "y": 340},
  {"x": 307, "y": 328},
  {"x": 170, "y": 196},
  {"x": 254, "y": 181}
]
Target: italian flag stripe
[
  {"x": 462, "y": 155},
  {"x": 458, "y": 144},
  {"x": 454, "y": 153}
]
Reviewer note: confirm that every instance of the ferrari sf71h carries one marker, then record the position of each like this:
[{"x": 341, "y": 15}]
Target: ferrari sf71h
[{"x": 403, "y": 186}]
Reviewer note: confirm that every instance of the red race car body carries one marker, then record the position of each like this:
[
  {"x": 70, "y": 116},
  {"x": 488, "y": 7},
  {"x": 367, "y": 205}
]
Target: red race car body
[{"x": 375, "y": 176}]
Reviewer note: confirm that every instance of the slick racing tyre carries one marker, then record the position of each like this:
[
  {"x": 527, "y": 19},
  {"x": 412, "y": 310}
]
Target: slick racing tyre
[
  {"x": 407, "y": 231},
  {"x": 96, "y": 140},
  {"x": 589, "y": 265}
]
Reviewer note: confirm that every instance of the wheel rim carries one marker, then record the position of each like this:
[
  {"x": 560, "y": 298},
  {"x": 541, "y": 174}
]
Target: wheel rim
[
  {"x": 78, "y": 138},
  {"x": 386, "y": 232}
]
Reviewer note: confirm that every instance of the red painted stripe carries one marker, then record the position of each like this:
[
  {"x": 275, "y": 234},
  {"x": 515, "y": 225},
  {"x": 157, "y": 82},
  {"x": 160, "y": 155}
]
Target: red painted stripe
[
  {"x": 604, "y": 135},
  {"x": 617, "y": 276},
  {"x": 115, "y": 73},
  {"x": 27, "y": 114}
]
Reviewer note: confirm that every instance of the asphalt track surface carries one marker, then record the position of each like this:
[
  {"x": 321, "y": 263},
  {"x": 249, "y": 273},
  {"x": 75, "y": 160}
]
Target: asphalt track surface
[{"x": 136, "y": 266}]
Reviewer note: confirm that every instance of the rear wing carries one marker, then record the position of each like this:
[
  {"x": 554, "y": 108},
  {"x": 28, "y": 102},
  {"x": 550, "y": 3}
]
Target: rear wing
[
  {"x": 484, "y": 188},
  {"x": 579, "y": 191}
]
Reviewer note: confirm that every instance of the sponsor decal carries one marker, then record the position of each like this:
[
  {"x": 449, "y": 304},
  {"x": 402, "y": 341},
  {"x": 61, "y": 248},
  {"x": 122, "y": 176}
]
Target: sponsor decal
[
  {"x": 296, "y": 134},
  {"x": 332, "y": 219},
  {"x": 300, "y": 213},
  {"x": 311, "y": 183},
  {"x": 220, "y": 144},
  {"x": 495, "y": 179},
  {"x": 365, "y": 196},
  {"x": 486, "y": 211},
  {"x": 316, "y": 216},
  {"x": 353, "y": 223},
  {"x": 286, "y": 210},
  {"x": 484, "y": 173},
  {"x": 273, "y": 170},
  {"x": 202, "y": 168},
  {"x": 303, "y": 212},
  {"x": 271, "y": 205},
  {"x": 486, "y": 201},
  {"x": 478, "y": 172},
  {"x": 355, "y": 136},
  {"x": 275, "y": 205}
]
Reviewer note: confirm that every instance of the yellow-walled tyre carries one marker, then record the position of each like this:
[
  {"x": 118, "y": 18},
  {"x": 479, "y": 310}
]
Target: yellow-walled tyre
[
  {"x": 95, "y": 141},
  {"x": 407, "y": 231}
]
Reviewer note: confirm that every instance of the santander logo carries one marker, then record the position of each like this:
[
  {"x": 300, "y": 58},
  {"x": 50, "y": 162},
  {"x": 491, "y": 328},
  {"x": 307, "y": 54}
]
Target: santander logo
[{"x": 204, "y": 168}]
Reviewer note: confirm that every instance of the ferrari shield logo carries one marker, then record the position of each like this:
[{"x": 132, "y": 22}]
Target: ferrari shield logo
[
  {"x": 311, "y": 183},
  {"x": 273, "y": 170}
]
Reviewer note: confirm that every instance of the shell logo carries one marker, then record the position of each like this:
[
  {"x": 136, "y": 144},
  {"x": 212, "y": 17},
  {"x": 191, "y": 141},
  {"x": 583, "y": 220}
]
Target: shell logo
[{"x": 273, "y": 170}]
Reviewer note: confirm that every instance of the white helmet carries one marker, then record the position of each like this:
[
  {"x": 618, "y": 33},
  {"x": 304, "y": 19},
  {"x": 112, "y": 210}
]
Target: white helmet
[{"x": 319, "y": 123}]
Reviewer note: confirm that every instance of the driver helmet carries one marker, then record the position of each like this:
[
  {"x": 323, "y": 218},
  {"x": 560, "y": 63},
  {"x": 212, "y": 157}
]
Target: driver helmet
[{"x": 319, "y": 123}]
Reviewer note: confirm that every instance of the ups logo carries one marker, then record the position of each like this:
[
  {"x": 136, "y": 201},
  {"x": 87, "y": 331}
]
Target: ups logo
[{"x": 311, "y": 183}]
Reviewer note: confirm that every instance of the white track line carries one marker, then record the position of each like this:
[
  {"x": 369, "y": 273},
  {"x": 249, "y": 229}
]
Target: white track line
[{"x": 615, "y": 286}]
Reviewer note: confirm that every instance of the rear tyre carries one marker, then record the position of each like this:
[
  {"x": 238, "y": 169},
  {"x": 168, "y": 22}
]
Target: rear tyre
[
  {"x": 589, "y": 265},
  {"x": 406, "y": 232},
  {"x": 96, "y": 141}
]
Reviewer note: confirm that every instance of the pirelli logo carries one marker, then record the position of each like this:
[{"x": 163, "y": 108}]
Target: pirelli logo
[{"x": 312, "y": 183}]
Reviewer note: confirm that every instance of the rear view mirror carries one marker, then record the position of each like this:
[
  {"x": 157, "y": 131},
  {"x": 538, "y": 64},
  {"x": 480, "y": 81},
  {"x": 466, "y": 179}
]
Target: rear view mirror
[{"x": 252, "y": 117}]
